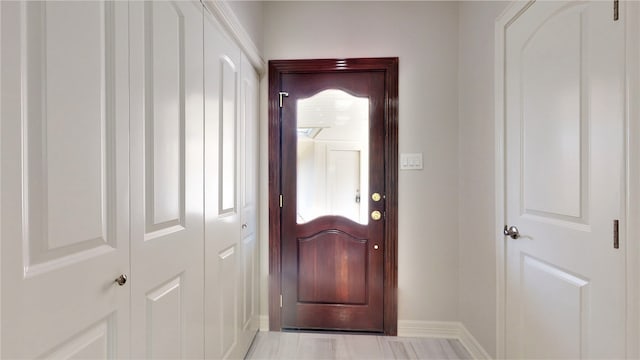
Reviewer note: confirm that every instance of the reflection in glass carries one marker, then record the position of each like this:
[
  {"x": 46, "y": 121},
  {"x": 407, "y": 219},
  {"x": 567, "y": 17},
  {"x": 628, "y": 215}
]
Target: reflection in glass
[{"x": 333, "y": 156}]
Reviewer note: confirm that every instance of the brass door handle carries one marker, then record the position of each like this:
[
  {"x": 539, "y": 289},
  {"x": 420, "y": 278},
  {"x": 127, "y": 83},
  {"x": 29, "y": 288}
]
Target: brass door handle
[{"x": 376, "y": 215}]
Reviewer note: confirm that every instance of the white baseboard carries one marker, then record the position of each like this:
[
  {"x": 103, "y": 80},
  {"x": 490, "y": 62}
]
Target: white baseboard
[
  {"x": 432, "y": 329},
  {"x": 443, "y": 330},
  {"x": 471, "y": 343},
  {"x": 264, "y": 323}
]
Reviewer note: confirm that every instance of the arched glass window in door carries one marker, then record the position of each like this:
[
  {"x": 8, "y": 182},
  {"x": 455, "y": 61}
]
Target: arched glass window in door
[{"x": 333, "y": 156}]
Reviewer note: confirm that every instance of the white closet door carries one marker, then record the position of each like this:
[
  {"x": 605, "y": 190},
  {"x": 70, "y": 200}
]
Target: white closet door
[
  {"x": 65, "y": 225},
  {"x": 223, "y": 246},
  {"x": 249, "y": 317},
  {"x": 166, "y": 179}
]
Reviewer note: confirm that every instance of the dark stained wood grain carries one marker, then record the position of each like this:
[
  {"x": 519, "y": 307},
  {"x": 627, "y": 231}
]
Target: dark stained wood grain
[
  {"x": 274, "y": 198},
  {"x": 391, "y": 200},
  {"x": 327, "y": 270}
]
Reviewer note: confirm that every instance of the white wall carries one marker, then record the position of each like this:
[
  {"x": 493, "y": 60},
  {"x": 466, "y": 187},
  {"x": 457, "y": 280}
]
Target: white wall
[
  {"x": 250, "y": 15},
  {"x": 477, "y": 261},
  {"x": 424, "y": 35}
]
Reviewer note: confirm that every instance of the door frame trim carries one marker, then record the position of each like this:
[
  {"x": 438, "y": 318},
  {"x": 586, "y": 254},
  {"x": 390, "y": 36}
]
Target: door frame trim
[
  {"x": 390, "y": 67},
  {"x": 631, "y": 11}
]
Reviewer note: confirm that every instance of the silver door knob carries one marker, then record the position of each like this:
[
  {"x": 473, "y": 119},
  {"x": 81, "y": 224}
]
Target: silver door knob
[
  {"x": 511, "y": 232},
  {"x": 121, "y": 280},
  {"x": 244, "y": 226}
]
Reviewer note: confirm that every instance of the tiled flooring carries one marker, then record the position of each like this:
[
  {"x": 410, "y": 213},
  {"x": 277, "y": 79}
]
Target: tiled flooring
[{"x": 289, "y": 345}]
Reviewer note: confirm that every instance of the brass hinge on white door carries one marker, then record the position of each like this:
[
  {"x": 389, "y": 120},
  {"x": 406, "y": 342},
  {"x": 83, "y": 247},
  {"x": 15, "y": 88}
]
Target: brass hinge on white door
[
  {"x": 616, "y": 13},
  {"x": 282, "y": 94}
]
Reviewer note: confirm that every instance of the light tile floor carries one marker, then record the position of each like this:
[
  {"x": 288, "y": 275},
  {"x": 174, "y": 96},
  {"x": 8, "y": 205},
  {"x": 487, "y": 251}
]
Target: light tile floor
[{"x": 323, "y": 346}]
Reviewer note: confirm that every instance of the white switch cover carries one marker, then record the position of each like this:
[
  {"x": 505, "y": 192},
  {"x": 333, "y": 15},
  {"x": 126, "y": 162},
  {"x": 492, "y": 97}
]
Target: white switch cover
[{"x": 411, "y": 161}]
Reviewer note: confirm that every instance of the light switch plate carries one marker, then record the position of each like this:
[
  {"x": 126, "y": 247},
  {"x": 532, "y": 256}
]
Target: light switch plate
[{"x": 411, "y": 161}]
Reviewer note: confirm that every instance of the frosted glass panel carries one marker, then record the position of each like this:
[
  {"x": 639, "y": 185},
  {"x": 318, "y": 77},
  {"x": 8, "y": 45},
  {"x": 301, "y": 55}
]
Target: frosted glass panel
[{"x": 333, "y": 156}]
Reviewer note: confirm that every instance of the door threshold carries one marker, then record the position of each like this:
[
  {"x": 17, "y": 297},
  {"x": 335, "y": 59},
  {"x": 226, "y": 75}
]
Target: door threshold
[{"x": 332, "y": 331}]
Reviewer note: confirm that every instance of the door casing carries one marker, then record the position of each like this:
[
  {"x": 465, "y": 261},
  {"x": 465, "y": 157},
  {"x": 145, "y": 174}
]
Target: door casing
[{"x": 390, "y": 67}]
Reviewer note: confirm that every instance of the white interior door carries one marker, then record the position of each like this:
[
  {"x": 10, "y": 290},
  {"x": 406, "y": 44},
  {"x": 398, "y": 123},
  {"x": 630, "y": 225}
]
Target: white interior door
[
  {"x": 565, "y": 101},
  {"x": 223, "y": 246},
  {"x": 167, "y": 300},
  {"x": 65, "y": 225},
  {"x": 343, "y": 183},
  {"x": 250, "y": 287}
]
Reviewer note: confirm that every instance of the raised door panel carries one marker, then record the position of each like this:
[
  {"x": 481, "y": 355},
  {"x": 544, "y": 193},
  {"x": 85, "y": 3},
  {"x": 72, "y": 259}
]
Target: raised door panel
[
  {"x": 228, "y": 299},
  {"x": 65, "y": 197},
  {"x": 555, "y": 306},
  {"x": 330, "y": 270},
  {"x": 248, "y": 321},
  {"x": 552, "y": 58},
  {"x": 164, "y": 119},
  {"x": 164, "y": 115},
  {"x": 166, "y": 179},
  {"x": 68, "y": 133},
  {"x": 92, "y": 343},
  {"x": 228, "y": 141},
  {"x": 164, "y": 320}
]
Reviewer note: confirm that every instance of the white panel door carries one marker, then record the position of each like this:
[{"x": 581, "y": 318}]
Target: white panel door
[
  {"x": 223, "y": 246},
  {"x": 565, "y": 101},
  {"x": 65, "y": 198},
  {"x": 250, "y": 287},
  {"x": 166, "y": 179}
]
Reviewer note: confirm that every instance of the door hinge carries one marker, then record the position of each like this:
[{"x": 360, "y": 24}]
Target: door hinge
[
  {"x": 281, "y": 200},
  {"x": 616, "y": 234},
  {"x": 282, "y": 94},
  {"x": 616, "y": 12},
  {"x": 280, "y": 300}
]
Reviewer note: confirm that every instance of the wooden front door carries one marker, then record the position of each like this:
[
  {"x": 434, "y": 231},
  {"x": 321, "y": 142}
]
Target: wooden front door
[{"x": 334, "y": 187}]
